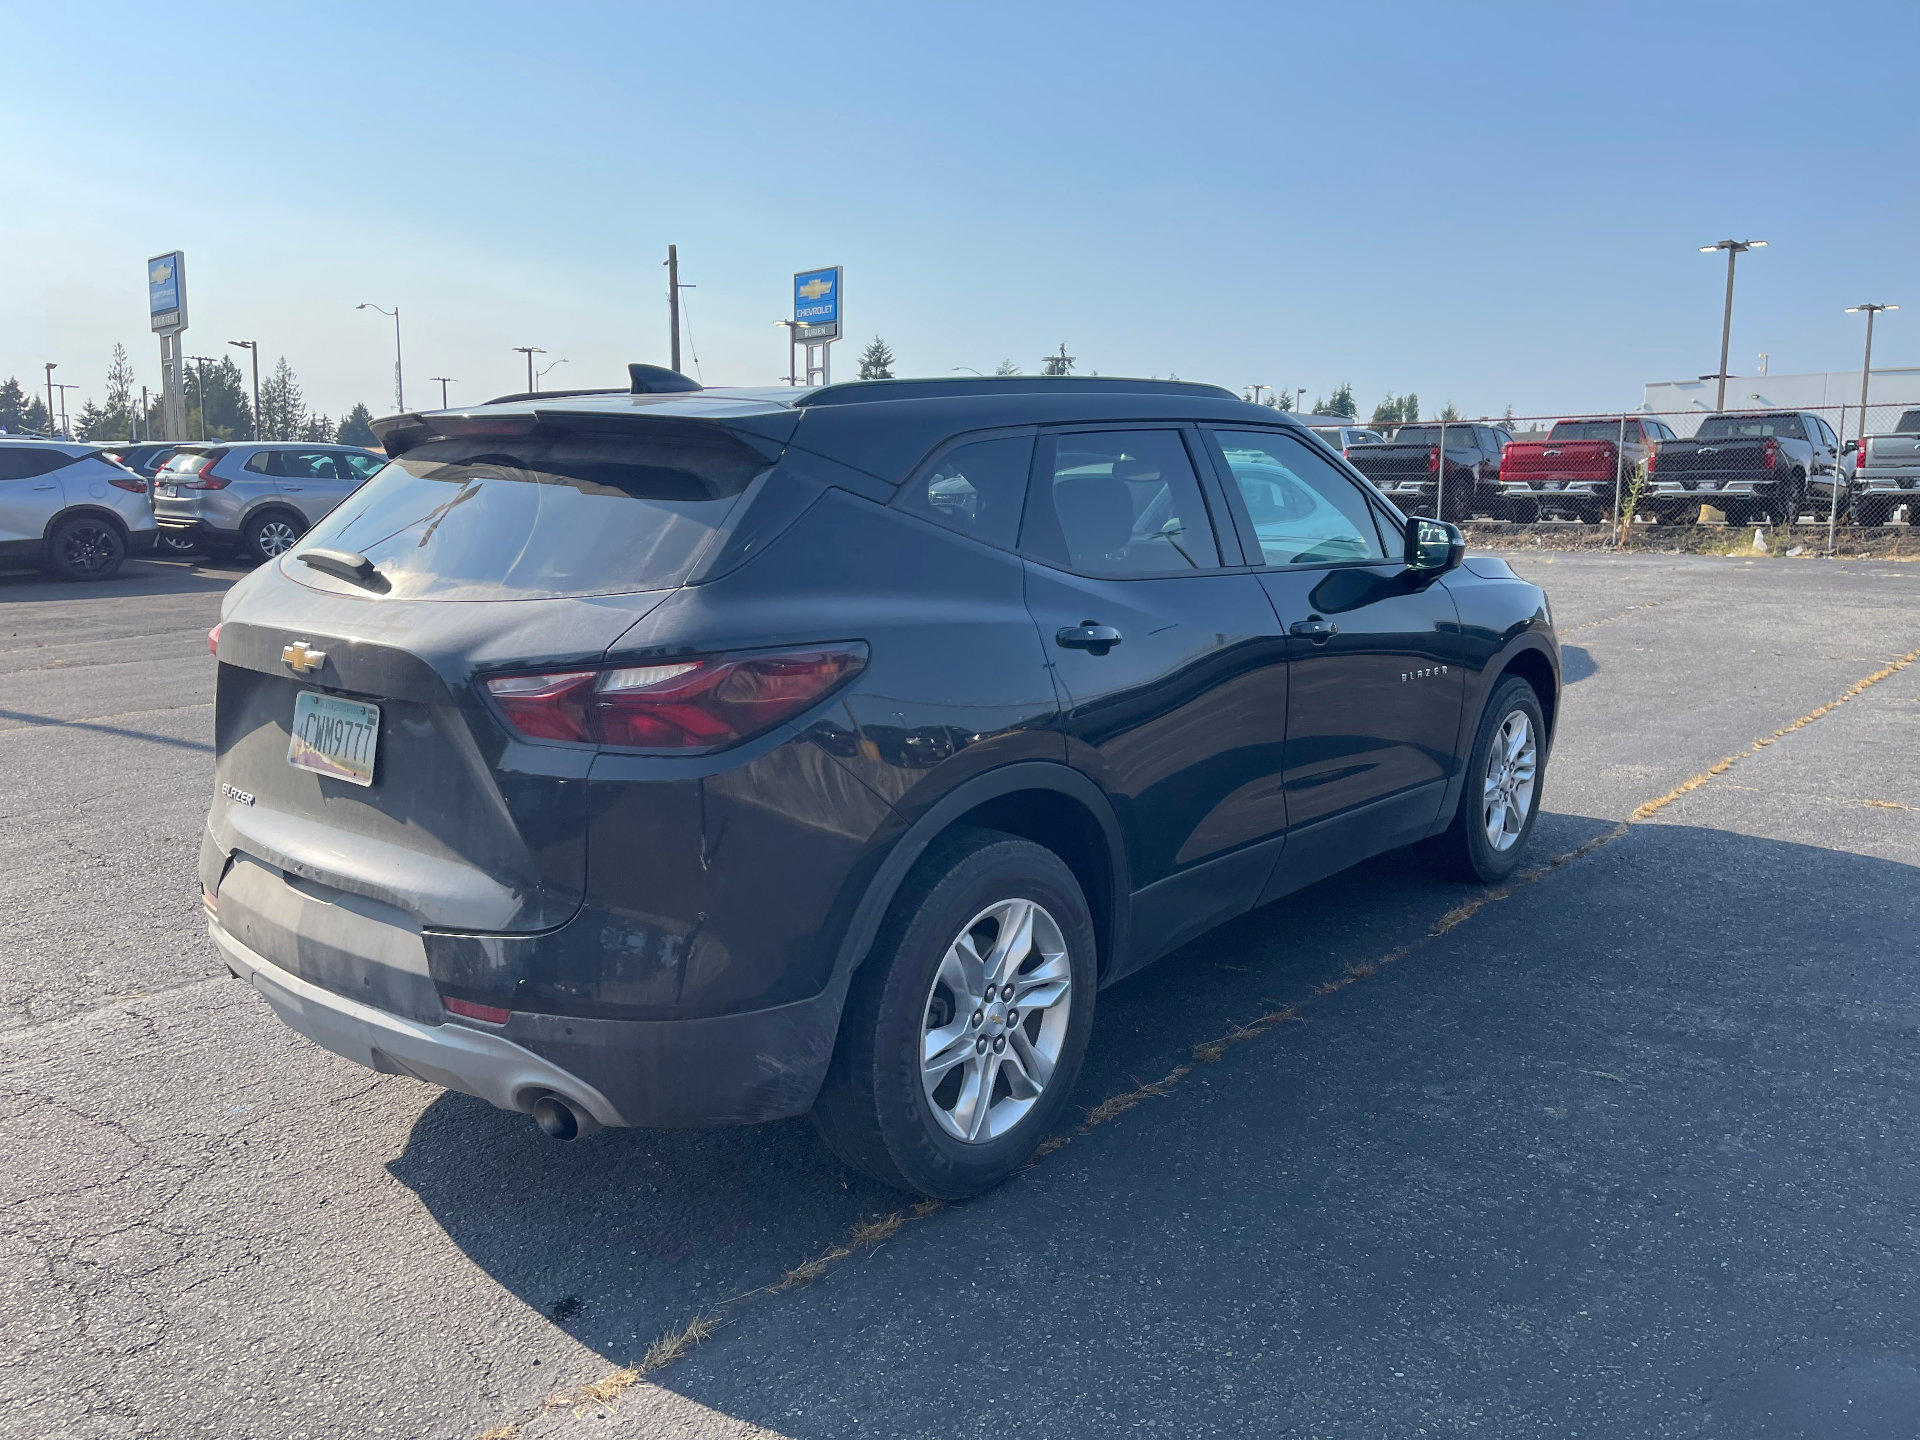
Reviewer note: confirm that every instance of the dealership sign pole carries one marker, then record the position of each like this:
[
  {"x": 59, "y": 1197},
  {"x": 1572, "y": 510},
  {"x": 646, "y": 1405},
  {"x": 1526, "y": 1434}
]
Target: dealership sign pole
[
  {"x": 816, "y": 319},
  {"x": 167, "y": 313}
]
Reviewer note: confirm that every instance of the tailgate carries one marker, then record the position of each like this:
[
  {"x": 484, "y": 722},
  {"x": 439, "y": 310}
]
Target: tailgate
[
  {"x": 1708, "y": 457},
  {"x": 1398, "y": 462},
  {"x": 1893, "y": 452},
  {"x": 462, "y": 828}
]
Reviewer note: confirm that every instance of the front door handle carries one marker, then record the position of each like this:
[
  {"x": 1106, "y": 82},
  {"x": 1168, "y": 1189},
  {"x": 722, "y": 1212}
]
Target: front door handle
[
  {"x": 1317, "y": 630},
  {"x": 1087, "y": 635}
]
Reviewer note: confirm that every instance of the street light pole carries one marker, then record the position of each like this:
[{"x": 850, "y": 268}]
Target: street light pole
[
  {"x": 202, "y": 361},
  {"x": 1866, "y": 365},
  {"x": 52, "y": 365},
  {"x": 445, "y": 380},
  {"x": 1734, "y": 249},
  {"x": 673, "y": 302},
  {"x": 65, "y": 429},
  {"x": 529, "y": 351},
  {"x": 1299, "y": 398},
  {"x": 543, "y": 374},
  {"x": 254, "y": 346},
  {"x": 399, "y": 380}
]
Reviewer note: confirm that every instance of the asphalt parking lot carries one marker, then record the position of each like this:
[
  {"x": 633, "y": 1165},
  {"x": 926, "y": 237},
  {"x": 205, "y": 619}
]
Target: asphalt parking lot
[{"x": 1629, "y": 1148}]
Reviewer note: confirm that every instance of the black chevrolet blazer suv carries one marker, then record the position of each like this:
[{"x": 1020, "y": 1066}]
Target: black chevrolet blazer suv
[{"x": 673, "y": 756}]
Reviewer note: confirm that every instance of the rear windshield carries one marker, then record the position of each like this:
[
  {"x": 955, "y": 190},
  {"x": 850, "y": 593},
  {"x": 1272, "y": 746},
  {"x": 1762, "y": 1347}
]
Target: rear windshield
[
  {"x": 1909, "y": 424},
  {"x": 1749, "y": 427},
  {"x": 183, "y": 462},
  {"x": 1591, "y": 430},
  {"x": 1430, "y": 434},
  {"x": 532, "y": 518}
]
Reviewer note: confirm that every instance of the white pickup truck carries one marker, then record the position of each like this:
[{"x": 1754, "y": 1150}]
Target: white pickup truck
[{"x": 1887, "y": 474}]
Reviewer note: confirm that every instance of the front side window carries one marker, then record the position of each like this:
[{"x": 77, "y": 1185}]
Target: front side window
[
  {"x": 310, "y": 465},
  {"x": 977, "y": 489},
  {"x": 1121, "y": 502},
  {"x": 1304, "y": 511}
]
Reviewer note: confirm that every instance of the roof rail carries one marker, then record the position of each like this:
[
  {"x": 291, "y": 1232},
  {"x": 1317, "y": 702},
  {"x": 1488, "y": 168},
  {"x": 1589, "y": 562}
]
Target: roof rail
[{"x": 858, "y": 392}]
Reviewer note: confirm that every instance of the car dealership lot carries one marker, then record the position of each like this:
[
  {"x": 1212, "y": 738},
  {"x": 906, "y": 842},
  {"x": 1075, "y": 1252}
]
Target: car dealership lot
[{"x": 1631, "y": 1150}]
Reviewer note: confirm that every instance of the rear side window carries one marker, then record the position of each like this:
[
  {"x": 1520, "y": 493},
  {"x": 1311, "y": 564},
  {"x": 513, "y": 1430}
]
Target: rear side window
[
  {"x": 978, "y": 489},
  {"x": 23, "y": 462},
  {"x": 261, "y": 462},
  {"x": 1118, "y": 503},
  {"x": 518, "y": 518},
  {"x": 361, "y": 465}
]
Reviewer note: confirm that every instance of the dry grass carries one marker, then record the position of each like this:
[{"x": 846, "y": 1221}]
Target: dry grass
[
  {"x": 809, "y": 1271},
  {"x": 1886, "y": 804},
  {"x": 501, "y": 1432},
  {"x": 674, "y": 1345},
  {"x": 872, "y": 1232}
]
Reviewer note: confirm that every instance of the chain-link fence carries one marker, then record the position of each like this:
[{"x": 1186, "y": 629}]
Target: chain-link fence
[{"x": 1643, "y": 467}]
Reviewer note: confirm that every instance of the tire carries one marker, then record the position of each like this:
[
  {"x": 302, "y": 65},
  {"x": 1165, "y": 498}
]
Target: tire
[
  {"x": 1465, "y": 850},
  {"x": 1786, "y": 510},
  {"x": 1523, "y": 511},
  {"x": 1872, "y": 510},
  {"x": 176, "y": 542},
  {"x": 876, "y": 1110},
  {"x": 86, "y": 547},
  {"x": 271, "y": 535}
]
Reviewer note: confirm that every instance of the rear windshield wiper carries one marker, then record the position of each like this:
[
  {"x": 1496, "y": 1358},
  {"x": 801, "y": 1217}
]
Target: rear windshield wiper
[{"x": 349, "y": 565}]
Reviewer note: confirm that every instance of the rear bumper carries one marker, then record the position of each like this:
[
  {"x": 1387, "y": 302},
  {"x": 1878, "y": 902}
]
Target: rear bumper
[
  {"x": 1896, "y": 483},
  {"x": 199, "y": 529},
  {"x": 719, "y": 1070},
  {"x": 1556, "y": 489}
]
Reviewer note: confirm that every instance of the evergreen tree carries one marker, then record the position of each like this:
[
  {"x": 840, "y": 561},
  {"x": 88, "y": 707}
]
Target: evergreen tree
[
  {"x": 1409, "y": 407},
  {"x": 1448, "y": 413},
  {"x": 876, "y": 361},
  {"x": 1507, "y": 419},
  {"x": 113, "y": 420},
  {"x": 283, "y": 409},
  {"x": 13, "y": 406},
  {"x": 357, "y": 427},
  {"x": 1283, "y": 400},
  {"x": 1006, "y": 367},
  {"x": 318, "y": 430},
  {"x": 1060, "y": 363},
  {"x": 90, "y": 423},
  {"x": 1340, "y": 403},
  {"x": 228, "y": 415},
  {"x": 35, "y": 418}
]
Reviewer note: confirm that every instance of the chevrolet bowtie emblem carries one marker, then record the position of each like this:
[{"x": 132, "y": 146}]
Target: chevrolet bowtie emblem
[
  {"x": 814, "y": 289},
  {"x": 297, "y": 657}
]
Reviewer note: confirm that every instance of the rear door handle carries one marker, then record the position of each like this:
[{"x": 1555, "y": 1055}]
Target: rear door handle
[
  {"x": 1317, "y": 630},
  {"x": 46, "y": 487},
  {"x": 1087, "y": 635}
]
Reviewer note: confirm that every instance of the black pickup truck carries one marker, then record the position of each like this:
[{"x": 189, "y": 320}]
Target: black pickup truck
[
  {"x": 1407, "y": 467},
  {"x": 1745, "y": 466}
]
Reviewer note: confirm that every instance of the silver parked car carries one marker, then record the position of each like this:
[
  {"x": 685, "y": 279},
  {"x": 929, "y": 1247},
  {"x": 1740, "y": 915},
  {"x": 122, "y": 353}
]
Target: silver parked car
[
  {"x": 71, "y": 507},
  {"x": 255, "y": 498}
]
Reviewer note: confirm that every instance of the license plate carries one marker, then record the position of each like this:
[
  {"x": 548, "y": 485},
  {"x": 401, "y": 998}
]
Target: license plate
[
  {"x": 334, "y": 737},
  {"x": 171, "y": 492}
]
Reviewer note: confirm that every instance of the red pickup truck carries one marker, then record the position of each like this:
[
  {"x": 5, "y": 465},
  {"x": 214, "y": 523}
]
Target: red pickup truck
[{"x": 1572, "y": 471}]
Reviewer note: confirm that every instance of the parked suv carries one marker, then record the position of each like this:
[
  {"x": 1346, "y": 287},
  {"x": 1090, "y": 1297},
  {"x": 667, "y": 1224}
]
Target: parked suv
[
  {"x": 257, "y": 499},
  {"x": 71, "y": 507},
  {"x": 840, "y": 744}
]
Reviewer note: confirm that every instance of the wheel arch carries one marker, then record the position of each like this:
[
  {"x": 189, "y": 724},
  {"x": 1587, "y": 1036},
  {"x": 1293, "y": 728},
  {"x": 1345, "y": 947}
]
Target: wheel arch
[
  {"x": 91, "y": 512},
  {"x": 1052, "y": 805},
  {"x": 1532, "y": 665}
]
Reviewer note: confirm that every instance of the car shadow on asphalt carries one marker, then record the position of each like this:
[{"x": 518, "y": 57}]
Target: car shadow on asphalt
[
  {"x": 137, "y": 579},
  {"x": 1577, "y": 664},
  {"x": 620, "y": 1236}
]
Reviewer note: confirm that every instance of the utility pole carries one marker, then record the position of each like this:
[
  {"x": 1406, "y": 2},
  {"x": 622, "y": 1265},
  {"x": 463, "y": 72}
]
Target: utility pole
[
  {"x": 52, "y": 365},
  {"x": 254, "y": 346},
  {"x": 202, "y": 361},
  {"x": 673, "y": 304},
  {"x": 146, "y": 422},
  {"x": 445, "y": 380},
  {"x": 1734, "y": 249},
  {"x": 529, "y": 351}
]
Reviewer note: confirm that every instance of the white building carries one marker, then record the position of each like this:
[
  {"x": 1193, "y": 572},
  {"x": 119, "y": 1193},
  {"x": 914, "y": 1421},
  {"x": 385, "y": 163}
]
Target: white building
[{"x": 1892, "y": 388}]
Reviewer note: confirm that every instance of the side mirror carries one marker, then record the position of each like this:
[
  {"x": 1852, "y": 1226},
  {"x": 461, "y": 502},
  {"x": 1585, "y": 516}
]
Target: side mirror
[
  {"x": 1849, "y": 447},
  {"x": 1434, "y": 546}
]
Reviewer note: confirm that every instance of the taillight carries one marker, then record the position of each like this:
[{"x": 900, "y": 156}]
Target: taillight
[
  {"x": 213, "y": 639},
  {"x": 205, "y": 479},
  {"x": 130, "y": 483},
  {"x": 1769, "y": 453},
  {"x": 1433, "y": 460},
  {"x": 682, "y": 705}
]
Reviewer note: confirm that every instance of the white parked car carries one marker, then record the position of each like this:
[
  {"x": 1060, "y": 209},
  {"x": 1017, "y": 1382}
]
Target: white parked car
[{"x": 71, "y": 507}]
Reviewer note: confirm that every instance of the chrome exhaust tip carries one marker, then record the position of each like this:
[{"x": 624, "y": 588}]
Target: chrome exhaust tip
[{"x": 561, "y": 1119}]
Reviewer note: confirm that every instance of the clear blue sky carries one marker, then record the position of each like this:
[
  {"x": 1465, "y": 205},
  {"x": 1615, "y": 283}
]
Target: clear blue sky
[{"x": 1496, "y": 205}]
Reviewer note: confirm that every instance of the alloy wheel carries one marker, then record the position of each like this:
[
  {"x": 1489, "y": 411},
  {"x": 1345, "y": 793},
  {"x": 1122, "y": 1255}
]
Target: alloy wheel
[
  {"x": 1508, "y": 790},
  {"x": 995, "y": 1020},
  {"x": 89, "y": 548},
  {"x": 275, "y": 537}
]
